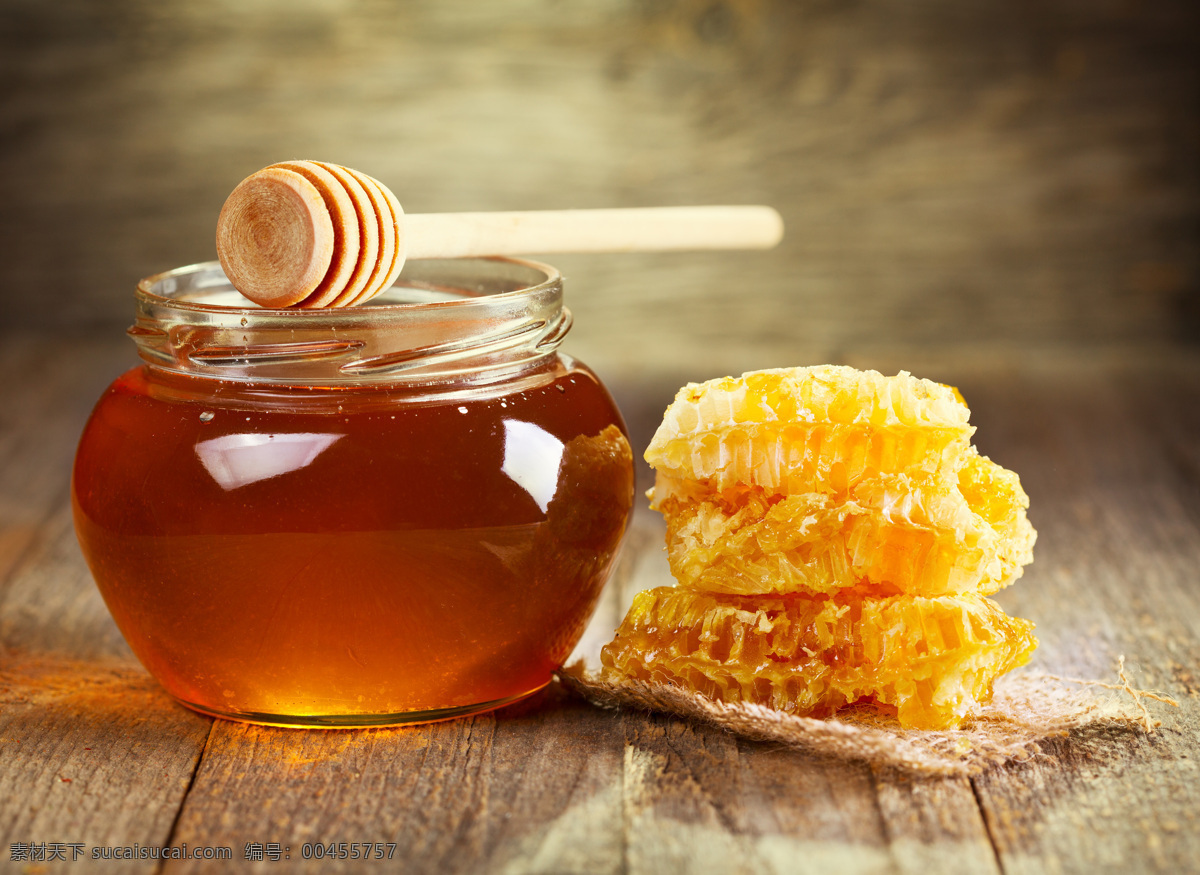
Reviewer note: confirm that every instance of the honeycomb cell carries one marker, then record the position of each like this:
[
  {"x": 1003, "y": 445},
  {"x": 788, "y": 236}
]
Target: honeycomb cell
[
  {"x": 585, "y": 521},
  {"x": 888, "y": 534},
  {"x": 810, "y": 429},
  {"x": 929, "y": 659}
]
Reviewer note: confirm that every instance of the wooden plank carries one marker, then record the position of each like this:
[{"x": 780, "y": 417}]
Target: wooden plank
[
  {"x": 934, "y": 826},
  {"x": 51, "y": 604},
  {"x": 50, "y": 385},
  {"x": 696, "y": 798},
  {"x": 1119, "y": 544},
  {"x": 680, "y": 792},
  {"x": 48, "y": 602},
  {"x": 534, "y": 787},
  {"x": 93, "y": 752}
]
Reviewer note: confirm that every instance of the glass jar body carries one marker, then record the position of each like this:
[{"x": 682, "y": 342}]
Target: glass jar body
[{"x": 359, "y": 554}]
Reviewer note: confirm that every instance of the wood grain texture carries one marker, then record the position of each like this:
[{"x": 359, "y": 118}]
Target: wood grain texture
[
  {"x": 91, "y": 752},
  {"x": 696, "y": 797},
  {"x": 48, "y": 389},
  {"x": 1118, "y": 514},
  {"x": 934, "y": 826},
  {"x": 991, "y": 178},
  {"x": 533, "y": 787},
  {"x": 47, "y": 600}
]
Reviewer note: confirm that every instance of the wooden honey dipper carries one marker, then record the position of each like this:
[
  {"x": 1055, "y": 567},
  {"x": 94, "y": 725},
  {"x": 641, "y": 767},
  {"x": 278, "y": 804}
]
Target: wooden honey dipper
[{"x": 313, "y": 234}]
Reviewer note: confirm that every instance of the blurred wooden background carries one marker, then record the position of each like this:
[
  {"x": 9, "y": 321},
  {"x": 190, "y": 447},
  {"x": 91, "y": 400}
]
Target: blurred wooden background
[{"x": 961, "y": 181}]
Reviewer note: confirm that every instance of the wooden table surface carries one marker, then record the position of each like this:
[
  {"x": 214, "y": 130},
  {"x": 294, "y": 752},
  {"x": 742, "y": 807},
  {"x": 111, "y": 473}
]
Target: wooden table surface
[{"x": 93, "y": 754}]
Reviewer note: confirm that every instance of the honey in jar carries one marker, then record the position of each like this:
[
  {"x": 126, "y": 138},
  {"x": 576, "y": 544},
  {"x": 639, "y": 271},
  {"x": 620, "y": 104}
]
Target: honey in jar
[{"x": 399, "y": 512}]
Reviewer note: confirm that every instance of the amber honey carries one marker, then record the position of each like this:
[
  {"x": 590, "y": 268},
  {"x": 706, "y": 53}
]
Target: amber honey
[{"x": 355, "y": 553}]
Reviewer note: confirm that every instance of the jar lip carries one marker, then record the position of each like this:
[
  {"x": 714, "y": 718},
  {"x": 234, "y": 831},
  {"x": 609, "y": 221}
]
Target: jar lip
[
  {"x": 151, "y": 290},
  {"x": 443, "y": 320}
]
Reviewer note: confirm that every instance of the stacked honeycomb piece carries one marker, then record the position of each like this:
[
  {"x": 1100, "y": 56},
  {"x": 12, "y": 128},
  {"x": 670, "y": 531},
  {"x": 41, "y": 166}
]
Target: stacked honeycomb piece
[{"x": 834, "y": 536}]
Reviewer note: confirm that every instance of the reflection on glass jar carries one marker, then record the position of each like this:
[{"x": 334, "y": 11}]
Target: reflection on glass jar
[{"x": 400, "y": 512}]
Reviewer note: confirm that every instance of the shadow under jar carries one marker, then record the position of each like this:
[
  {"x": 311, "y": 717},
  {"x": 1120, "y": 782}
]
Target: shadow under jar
[{"x": 392, "y": 513}]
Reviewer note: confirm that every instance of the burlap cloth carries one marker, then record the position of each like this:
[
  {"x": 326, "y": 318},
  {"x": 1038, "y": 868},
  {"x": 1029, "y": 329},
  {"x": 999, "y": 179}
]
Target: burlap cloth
[{"x": 1027, "y": 708}]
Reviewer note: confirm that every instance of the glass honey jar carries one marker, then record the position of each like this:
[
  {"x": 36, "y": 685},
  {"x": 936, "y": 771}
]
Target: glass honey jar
[{"x": 398, "y": 512}]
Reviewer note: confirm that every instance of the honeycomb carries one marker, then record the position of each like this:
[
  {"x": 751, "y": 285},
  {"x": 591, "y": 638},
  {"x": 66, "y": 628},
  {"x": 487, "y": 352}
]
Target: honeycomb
[
  {"x": 887, "y": 535},
  {"x": 929, "y": 659},
  {"x": 810, "y": 429},
  {"x": 833, "y": 534},
  {"x": 574, "y": 549}
]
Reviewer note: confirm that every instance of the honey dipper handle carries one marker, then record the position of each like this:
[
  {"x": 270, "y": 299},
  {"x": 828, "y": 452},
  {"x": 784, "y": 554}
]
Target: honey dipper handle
[{"x": 648, "y": 229}]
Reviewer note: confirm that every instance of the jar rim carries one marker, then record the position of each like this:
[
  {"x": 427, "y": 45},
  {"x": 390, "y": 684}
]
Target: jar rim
[
  {"x": 443, "y": 320},
  {"x": 162, "y": 288}
]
